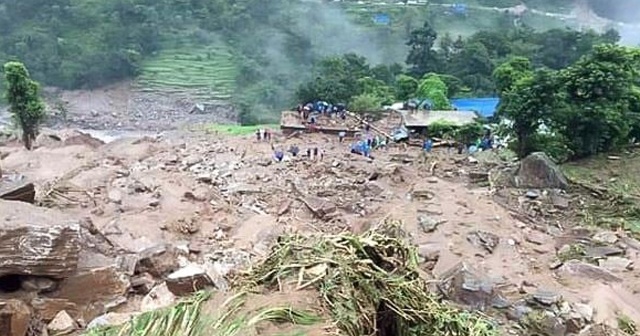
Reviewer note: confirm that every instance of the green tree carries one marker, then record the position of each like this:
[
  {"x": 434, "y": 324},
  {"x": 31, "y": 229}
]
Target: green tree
[
  {"x": 25, "y": 105},
  {"x": 365, "y": 102},
  {"x": 405, "y": 87},
  {"x": 600, "y": 89},
  {"x": 434, "y": 89},
  {"x": 507, "y": 74},
  {"x": 529, "y": 103},
  {"x": 422, "y": 57}
]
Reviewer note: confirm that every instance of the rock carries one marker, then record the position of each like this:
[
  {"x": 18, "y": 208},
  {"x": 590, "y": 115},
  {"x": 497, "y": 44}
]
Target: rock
[
  {"x": 483, "y": 239},
  {"x": 546, "y": 323},
  {"x": 422, "y": 191},
  {"x": 159, "y": 297},
  {"x": 187, "y": 280},
  {"x": 559, "y": 202},
  {"x": 532, "y": 194},
  {"x": 465, "y": 285},
  {"x": 318, "y": 206},
  {"x": 630, "y": 243},
  {"x": 585, "y": 311},
  {"x": 471, "y": 159},
  {"x": 15, "y": 316},
  {"x": 17, "y": 191},
  {"x": 38, "y": 284},
  {"x": 158, "y": 260},
  {"x": 536, "y": 238},
  {"x": 616, "y": 264},
  {"x": 111, "y": 320},
  {"x": 432, "y": 180},
  {"x": 100, "y": 288},
  {"x": 115, "y": 196},
  {"x": 605, "y": 237},
  {"x": 584, "y": 270},
  {"x": 546, "y": 298},
  {"x": 602, "y": 251},
  {"x": 284, "y": 207},
  {"x": 37, "y": 241},
  {"x": 538, "y": 171},
  {"x": 127, "y": 263},
  {"x": 430, "y": 252},
  {"x": 143, "y": 283},
  {"x": 62, "y": 324},
  {"x": 428, "y": 224},
  {"x": 478, "y": 176},
  {"x": 47, "y": 308},
  {"x": 518, "y": 312}
]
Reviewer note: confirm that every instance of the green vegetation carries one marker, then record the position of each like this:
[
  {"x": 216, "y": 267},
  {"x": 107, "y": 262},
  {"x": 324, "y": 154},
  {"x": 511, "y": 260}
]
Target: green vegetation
[
  {"x": 206, "y": 73},
  {"x": 364, "y": 282},
  {"x": 25, "y": 105},
  {"x": 185, "y": 319},
  {"x": 238, "y": 130},
  {"x": 253, "y": 53}
]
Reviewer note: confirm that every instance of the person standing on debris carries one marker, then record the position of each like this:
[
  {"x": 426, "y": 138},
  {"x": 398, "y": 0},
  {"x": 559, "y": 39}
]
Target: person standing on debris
[
  {"x": 321, "y": 154},
  {"x": 341, "y": 136},
  {"x": 427, "y": 145},
  {"x": 309, "y": 152},
  {"x": 315, "y": 152},
  {"x": 258, "y": 135},
  {"x": 294, "y": 150},
  {"x": 267, "y": 135},
  {"x": 279, "y": 155}
]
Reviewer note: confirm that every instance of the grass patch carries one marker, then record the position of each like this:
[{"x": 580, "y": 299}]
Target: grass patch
[
  {"x": 615, "y": 189},
  {"x": 237, "y": 130}
]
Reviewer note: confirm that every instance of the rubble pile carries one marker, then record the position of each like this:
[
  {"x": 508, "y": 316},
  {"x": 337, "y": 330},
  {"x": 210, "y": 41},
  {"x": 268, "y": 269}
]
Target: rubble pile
[{"x": 134, "y": 225}]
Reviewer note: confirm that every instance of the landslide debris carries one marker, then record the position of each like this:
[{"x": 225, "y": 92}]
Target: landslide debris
[{"x": 367, "y": 284}]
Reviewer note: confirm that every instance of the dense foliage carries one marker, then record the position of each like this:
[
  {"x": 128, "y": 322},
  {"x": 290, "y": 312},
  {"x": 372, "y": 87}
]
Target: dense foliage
[
  {"x": 572, "y": 94},
  {"x": 25, "y": 105}
]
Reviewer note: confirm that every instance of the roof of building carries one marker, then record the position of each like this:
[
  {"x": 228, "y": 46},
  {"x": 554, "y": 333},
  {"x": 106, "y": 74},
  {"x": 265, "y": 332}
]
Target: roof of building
[
  {"x": 485, "y": 107},
  {"x": 426, "y": 118}
]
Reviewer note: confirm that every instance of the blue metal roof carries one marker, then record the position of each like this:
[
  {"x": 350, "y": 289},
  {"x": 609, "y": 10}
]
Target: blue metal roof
[
  {"x": 486, "y": 107},
  {"x": 382, "y": 18}
]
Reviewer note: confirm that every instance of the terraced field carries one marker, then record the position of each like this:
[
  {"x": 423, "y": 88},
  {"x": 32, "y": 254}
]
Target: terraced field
[{"x": 205, "y": 73}]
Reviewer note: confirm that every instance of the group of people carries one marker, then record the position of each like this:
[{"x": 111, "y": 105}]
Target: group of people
[
  {"x": 367, "y": 144},
  {"x": 263, "y": 135},
  {"x": 309, "y": 111},
  {"x": 312, "y": 153}
]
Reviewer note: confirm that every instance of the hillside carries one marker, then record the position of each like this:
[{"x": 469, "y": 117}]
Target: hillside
[{"x": 251, "y": 55}]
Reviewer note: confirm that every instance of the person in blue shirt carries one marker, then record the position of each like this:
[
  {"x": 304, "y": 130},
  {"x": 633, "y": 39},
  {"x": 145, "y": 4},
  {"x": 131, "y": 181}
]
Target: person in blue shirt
[
  {"x": 427, "y": 145},
  {"x": 279, "y": 155}
]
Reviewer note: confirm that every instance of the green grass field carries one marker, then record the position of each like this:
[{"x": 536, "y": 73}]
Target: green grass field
[
  {"x": 237, "y": 130},
  {"x": 205, "y": 72}
]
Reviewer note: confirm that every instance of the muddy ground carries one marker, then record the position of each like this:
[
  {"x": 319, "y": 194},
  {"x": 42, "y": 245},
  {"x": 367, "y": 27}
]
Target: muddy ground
[{"x": 223, "y": 200}]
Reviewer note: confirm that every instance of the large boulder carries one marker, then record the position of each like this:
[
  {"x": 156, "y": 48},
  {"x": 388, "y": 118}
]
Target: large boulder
[
  {"x": 37, "y": 241},
  {"x": 538, "y": 171},
  {"x": 17, "y": 189},
  {"x": 15, "y": 316}
]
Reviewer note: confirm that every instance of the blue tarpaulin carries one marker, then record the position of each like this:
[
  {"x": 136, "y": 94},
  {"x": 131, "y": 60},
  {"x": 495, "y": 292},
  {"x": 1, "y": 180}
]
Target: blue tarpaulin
[
  {"x": 382, "y": 19},
  {"x": 486, "y": 107},
  {"x": 460, "y": 9}
]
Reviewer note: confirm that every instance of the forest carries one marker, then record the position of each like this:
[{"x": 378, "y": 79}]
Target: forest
[{"x": 278, "y": 53}]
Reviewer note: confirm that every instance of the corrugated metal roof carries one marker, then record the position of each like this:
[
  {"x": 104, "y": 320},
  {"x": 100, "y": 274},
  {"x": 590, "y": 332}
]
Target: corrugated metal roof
[{"x": 486, "y": 107}]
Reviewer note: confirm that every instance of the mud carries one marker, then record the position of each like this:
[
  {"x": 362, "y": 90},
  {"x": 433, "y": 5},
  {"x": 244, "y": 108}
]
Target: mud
[{"x": 221, "y": 201}]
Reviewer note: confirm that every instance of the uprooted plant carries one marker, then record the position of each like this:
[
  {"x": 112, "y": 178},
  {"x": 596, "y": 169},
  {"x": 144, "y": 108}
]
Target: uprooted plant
[{"x": 369, "y": 283}]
